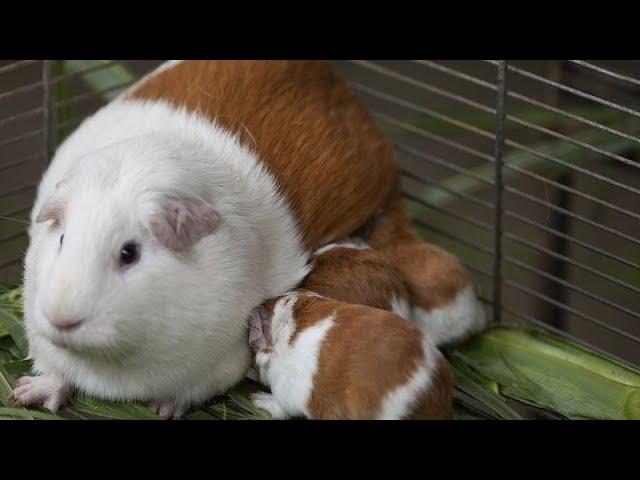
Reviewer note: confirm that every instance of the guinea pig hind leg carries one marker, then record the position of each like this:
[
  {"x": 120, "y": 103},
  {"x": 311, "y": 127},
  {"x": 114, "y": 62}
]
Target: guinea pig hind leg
[
  {"x": 268, "y": 402},
  {"x": 45, "y": 390}
]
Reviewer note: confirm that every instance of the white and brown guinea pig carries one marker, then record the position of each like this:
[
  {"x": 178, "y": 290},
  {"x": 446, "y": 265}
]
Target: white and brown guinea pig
[
  {"x": 418, "y": 281},
  {"x": 330, "y": 360},
  {"x": 173, "y": 211}
]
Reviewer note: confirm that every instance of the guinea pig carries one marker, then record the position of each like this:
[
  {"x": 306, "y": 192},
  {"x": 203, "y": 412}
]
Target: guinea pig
[
  {"x": 173, "y": 211},
  {"x": 142, "y": 270},
  {"x": 331, "y": 360},
  {"x": 350, "y": 271}
]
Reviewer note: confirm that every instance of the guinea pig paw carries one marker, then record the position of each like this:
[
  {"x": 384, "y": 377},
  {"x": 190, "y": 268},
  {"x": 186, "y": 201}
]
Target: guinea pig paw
[
  {"x": 167, "y": 409},
  {"x": 268, "y": 402},
  {"x": 46, "y": 391}
]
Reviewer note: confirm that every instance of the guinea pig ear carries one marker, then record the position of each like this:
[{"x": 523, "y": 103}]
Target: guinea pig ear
[
  {"x": 260, "y": 329},
  {"x": 52, "y": 209},
  {"x": 179, "y": 222}
]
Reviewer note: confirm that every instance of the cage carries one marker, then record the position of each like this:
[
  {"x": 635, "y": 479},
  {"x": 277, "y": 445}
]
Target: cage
[{"x": 527, "y": 170}]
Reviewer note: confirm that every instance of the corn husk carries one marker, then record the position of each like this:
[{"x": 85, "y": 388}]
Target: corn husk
[{"x": 549, "y": 372}]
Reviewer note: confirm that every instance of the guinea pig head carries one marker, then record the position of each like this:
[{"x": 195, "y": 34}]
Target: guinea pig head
[{"x": 119, "y": 266}]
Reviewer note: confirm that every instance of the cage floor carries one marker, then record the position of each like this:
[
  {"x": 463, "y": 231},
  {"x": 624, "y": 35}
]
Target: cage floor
[{"x": 507, "y": 372}]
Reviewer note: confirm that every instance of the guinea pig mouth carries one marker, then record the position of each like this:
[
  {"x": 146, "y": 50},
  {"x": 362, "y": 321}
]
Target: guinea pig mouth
[
  {"x": 80, "y": 343},
  {"x": 65, "y": 341}
]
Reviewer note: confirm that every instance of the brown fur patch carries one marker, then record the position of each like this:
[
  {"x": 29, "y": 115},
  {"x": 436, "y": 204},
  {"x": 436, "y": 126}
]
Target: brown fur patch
[
  {"x": 433, "y": 275},
  {"x": 331, "y": 162},
  {"x": 359, "y": 276},
  {"x": 436, "y": 404},
  {"x": 365, "y": 355}
]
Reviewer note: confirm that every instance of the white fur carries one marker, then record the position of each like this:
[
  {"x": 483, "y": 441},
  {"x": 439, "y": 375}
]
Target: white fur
[
  {"x": 464, "y": 316},
  {"x": 400, "y": 307},
  {"x": 399, "y": 403},
  {"x": 289, "y": 369},
  {"x": 173, "y": 327},
  {"x": 49, "y": 391},
  {"x": 347, "y": 243}
]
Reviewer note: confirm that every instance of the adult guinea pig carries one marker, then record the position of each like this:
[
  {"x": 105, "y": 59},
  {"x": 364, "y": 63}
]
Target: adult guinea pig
[
  {"x": 177, "y": 208},
  {"x": 331, "y": 360}
]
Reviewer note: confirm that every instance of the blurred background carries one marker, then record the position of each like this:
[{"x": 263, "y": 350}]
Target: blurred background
[{"x": 571, "y": 197}]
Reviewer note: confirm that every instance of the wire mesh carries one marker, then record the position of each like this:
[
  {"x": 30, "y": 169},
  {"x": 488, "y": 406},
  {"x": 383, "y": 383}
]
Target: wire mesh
[{"x": 527, "y": 170}]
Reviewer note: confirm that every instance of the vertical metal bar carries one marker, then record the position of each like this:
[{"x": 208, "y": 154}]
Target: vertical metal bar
[
  {"x": 552, "y": 313},
  {"x": 48, "y": 128},
  {"x": 499, "y": 190}
]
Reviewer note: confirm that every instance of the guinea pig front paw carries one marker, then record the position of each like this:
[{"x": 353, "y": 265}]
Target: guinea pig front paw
[
  {"x": 268, "y": 402},
  {"x": 46, "y": 391},
  {"x": 167, "y": 409}
]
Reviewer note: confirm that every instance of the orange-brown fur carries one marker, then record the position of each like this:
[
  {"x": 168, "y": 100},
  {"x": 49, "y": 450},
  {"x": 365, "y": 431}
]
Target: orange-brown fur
[
  {"x": 353, "y": 275},
  {"x": 433, "y": 275},
  {"x": 331, "y": 162},
  {"x": 367, "y": 354}
]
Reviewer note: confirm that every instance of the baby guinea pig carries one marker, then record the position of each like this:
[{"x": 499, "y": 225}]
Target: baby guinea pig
[
  {"x": 330, "y": 360},
  {"x": 350, "y": 271}
]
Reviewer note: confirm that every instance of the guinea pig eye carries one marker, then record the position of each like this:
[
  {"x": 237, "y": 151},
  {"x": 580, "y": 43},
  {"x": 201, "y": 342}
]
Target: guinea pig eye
[{"x": 129, "y": 254}]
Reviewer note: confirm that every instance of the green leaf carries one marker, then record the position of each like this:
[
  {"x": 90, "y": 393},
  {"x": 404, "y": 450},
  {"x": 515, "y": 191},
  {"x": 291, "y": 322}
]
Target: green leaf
[
  {"x": 13, "y": 325},
  {"x": 482, "y": 389},
  {"x": 26, "y": 414},
  {"x": 554, "y": 374},
  {"x": 110, "y": 76},
  {"x": 5, "y": 387},
  {"x": 118, "y": 411}
]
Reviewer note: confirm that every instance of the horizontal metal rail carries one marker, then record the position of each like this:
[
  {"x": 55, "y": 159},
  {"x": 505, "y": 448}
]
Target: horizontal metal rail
[
  {"x": 22, "y": 161},
  {"x": 90, "y": 95},
  {"x": 572, "y": 215},
  {"x": 569, "y": 261},
  {"x": 446, "y": 211},
  {"x": 13, "y": 236},
  {"x": 425, "y": 180},
  {"x": 19, "y": 138},
  {"x": 20, "y": 116},
  {"x": 606, "y": 72},
  {"x": 20, "y": 90},
  {"x": 478, "y": 106},
  {"x": 419, "y": 109},
  {"x": 445, "y": 118},
  {"x": 533, "y": 102},
  {"x": 10, "y": 262},
  {"x": 571, "y": 310},
  {"x": 574, "y": 91},
  {"x": 569, "y": 238},
  {"x": 435, "y": 160},
  {"x": 513, "y": 191},
  {"x": 18, "y": 190},
  {"x": 570, "y": 286},
  {"x": 463, "y": 241},
  {"x": 432, "y": 136},
  {"x": 16, "y": 66},
  {"x": 83, "y": 71}
]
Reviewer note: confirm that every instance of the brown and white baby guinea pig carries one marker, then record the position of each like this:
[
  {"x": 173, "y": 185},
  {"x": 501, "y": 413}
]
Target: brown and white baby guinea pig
[
  {"x": 350, "y": 271},
  {"x": 325, "y": 359}
]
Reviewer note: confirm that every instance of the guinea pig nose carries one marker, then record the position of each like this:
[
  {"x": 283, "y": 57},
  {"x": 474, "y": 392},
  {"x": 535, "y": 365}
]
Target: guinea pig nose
[{"x": 65, "y": 324}]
